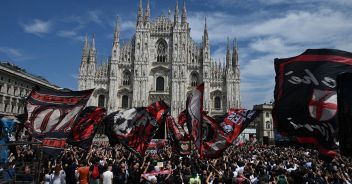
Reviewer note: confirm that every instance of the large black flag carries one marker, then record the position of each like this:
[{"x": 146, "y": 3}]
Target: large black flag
[
  {"x": 305, "y": 96},
  {"x": 344, "y": 101}
]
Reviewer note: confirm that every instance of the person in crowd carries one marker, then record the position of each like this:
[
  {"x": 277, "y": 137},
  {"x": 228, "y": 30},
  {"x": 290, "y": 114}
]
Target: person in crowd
[
  {"x": 58, "y": 177},
  {"x": 249, "y": 163},
  {"x": 83, "y": 173},
  {"x": 94, "y": 173},
  {"x": 46, "y": 177},
  {"x": 108, "y": 176}
]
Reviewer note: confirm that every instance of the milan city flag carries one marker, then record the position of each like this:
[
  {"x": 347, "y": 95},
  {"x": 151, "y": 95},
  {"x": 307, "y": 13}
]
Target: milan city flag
[
  {"x": 134, "y": 128},
  {"x": 83, "y": 131},
  {"x": 305, "y": 96},
  {"x": 51, "y": 114}
]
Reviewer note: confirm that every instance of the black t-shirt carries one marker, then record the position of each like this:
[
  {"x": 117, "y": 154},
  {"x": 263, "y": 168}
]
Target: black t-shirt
[
  {"x": 134, "y": 175},
  {"x": 70, "y": 174}
]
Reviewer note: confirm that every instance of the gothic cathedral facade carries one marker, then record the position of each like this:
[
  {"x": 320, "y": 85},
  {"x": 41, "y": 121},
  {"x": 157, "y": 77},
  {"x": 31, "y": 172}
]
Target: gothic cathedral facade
[{"x": 160, "y": 62}]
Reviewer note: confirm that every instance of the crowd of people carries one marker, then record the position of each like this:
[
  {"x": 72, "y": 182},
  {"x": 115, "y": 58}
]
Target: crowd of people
[{"x": 250, "y": 163}]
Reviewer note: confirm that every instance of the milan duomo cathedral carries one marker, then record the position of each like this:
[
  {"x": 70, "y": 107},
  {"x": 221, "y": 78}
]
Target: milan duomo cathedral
[{"x": 160, "y": 62}]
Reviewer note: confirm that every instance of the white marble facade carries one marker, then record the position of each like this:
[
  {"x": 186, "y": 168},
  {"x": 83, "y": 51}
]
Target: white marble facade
[{"x": 160, "y": 62}]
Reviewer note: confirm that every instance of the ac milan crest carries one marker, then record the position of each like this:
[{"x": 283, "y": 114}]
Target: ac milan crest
[{"x": 323, "y": 105}]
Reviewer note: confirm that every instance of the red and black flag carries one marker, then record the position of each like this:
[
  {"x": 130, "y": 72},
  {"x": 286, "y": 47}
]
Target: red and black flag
[
  {"x": 236, "y": 121},
  {"x": 51, "y": 114},
  {"x": 305, "y": 96},
  {"x": 178, "y": 135},
  {"x": 87, "y": 124},
  {"x": 134, "y": 128},
  {"x": 194, "y": 116},
  {"x": 219, "y": 134}
]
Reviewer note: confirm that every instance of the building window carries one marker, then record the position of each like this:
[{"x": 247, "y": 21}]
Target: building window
[
  {"x": 267, "y": 114},
  {"x": 268, "y": 125},
  {"x": 217, "y": 103},
  {"x": 126, "y": 78},
  {"x": 160, "y": 84},
  {"x": 8, "y": 89},
  {"x": 101, "y": 101},
  {"x": 161, "y": 51},
  {"x": 124, "y": 101},
  {"x": 194, "y": 79}
]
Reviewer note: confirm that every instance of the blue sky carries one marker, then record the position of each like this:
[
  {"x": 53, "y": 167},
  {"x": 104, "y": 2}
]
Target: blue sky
[{"x": 46, "y": 37}]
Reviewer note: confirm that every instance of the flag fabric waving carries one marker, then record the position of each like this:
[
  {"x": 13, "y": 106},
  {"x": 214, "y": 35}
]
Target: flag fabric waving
[
  {"x": 134, "y": 128},
  {"x": 236, "y": 121},
  {"x": 178, "y": 135},
  {"x": 86, "y": 126},
  {"x": 219, "y": 136},
  {"x": 305, "y": 96},
  {"x": 51, "y": 114},
  {"x": 195, "y": 112}
]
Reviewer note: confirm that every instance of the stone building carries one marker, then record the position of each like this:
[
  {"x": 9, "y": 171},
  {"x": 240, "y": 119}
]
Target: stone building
[
  {"x": 15, "y": 85},
  {"x": 264, "y": 123},
  {"x": 160, "y": 62}
]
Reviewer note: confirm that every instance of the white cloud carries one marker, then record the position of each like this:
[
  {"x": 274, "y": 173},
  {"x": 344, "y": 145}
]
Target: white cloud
[
  {"x": 70, "y": 34},
  {"x": 305, "y": 27},
  {"x": 281, "y": 35},
  {"x": 13, "y": 54},
  {"x": 10, "y": 52},
  {"x": 128, "y": 25},
  {"x": 95, "y": 16},
  {"x": 37, "y": 27}
]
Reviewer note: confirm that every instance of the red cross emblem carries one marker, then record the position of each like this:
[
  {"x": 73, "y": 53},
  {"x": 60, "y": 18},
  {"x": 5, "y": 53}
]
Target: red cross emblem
[{"x": 323, "y": 105}]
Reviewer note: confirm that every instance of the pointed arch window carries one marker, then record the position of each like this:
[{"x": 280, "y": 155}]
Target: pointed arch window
[
  {"x": 194, "y": 79},
  {"x": 101, "y": 101},
  {"x": 160, "y": 84},
  {"x": 217, "y": 103},
  {"x": 126, "y": 81},
  {"x": 268, "y": 125},
  {"x": 161, "y": 51},
  {"x": 125, "y": 101}
]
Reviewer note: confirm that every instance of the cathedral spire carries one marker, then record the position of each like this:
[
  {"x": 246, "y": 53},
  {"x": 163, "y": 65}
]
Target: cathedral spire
[
  {"x": 147, "y": 12},
  {"x": 205, "y": 36},
  {"x": 92, "y": 51},
  {"x": 117, "y": 32},
  {"x": 140, "y": 13},
  {"x": 86, "y": 46},
  {"x": 93, "y": 43},
  {"x": 184, "y": 13},
  {"x": 234, "y": 54},
  {"x": 176, "y": 13},
  {"x": 228, "y": 55}
]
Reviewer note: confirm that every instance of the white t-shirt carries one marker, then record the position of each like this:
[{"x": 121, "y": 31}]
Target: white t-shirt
[
  {"x": 58, "y": 179},
  {"x": 107, "y": 177}
]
